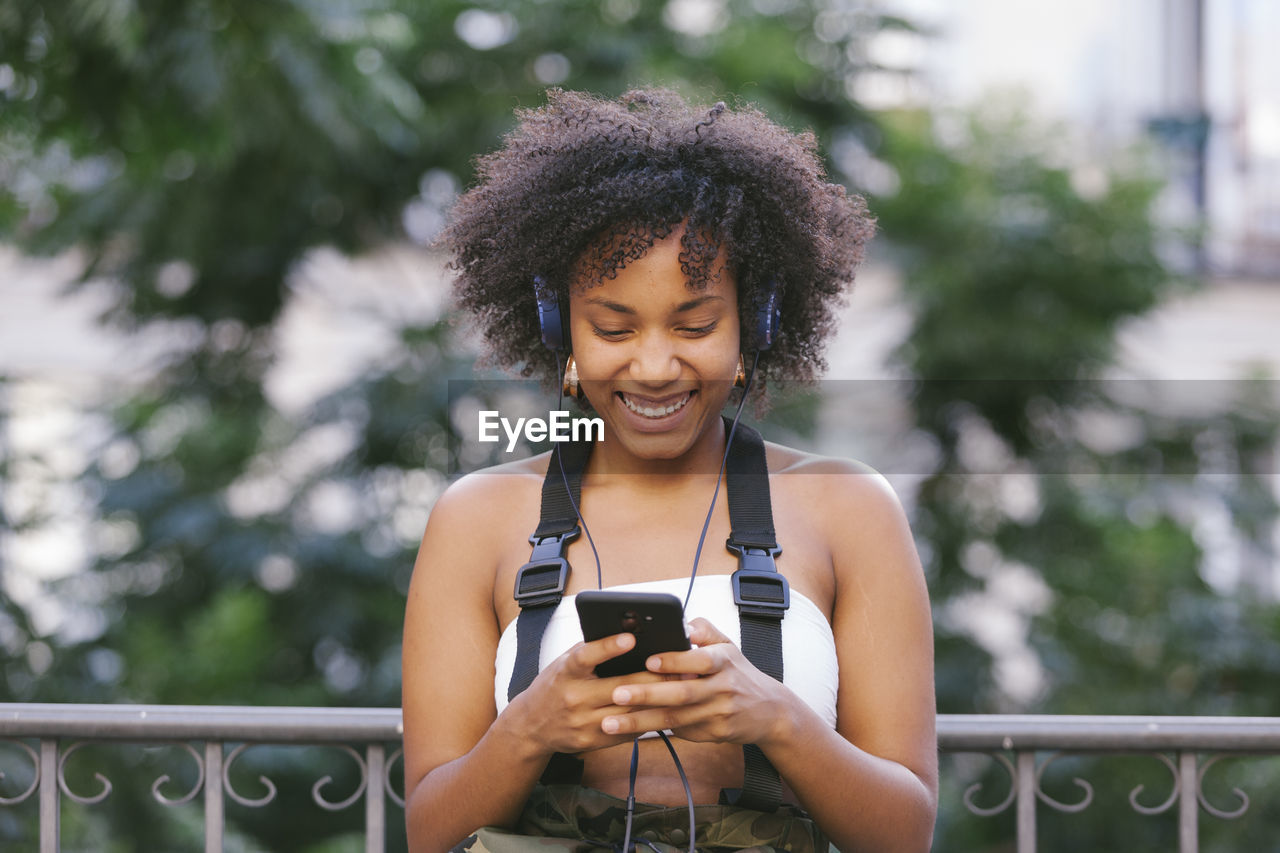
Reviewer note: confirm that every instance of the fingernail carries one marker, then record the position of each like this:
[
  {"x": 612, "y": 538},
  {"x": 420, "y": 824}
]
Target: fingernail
[
  {"x": 610, "y": 726},
  {"x": 688, "y": 629},
  {"x": 624, "y": 640},
  {"x": 621, "y": 696},
  {"x": 654, "y": 664}
]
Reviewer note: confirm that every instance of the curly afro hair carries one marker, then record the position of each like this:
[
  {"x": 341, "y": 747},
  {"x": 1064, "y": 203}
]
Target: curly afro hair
[{"x": 585, "y": 185}]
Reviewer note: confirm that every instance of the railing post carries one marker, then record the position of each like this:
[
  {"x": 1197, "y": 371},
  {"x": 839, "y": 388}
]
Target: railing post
[
  {"x": 213, "y": 803},
  {"x": 1188, "y": 803},
  {"x": 50, "y": 820},
  {"x": 375, "y": 804},
  {"x": 1027, "y": 801}
]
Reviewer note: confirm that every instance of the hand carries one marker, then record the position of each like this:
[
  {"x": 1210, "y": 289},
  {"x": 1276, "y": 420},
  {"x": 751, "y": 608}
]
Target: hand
[
  {"x": 563, "y": 708},
  {"x": 717, "y": 695}
]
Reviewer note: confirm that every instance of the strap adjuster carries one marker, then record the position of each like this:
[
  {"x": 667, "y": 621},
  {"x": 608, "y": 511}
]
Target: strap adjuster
[
  {"x": 761, "y": 593},
  {"x": 541, "y": 582}
]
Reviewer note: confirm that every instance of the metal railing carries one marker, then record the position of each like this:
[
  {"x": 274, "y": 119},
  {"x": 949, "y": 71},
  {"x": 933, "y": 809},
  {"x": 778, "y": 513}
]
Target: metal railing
[
  {"x": 1024, "y": 745},
  {"x": 61, "y": 730},
  {"x": 1177, "y": 742}
]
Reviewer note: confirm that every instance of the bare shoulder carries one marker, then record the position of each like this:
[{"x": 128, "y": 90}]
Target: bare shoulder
[
  {"x": 484, "y": 496},
  {"x": 854, "y": 511},
  {"x": 842, "y": 484},
  {"x": 482, "y": 512}
]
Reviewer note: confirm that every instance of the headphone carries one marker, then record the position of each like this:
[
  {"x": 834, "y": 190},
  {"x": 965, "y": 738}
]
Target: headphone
[
  {"x": 551, "y": 323},
  {"x": 768, "y": 316},
  {"x": 550, "y": 318}
]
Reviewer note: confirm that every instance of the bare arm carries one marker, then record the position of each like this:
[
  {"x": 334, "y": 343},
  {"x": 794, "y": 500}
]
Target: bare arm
[
  {"x": 465, "y": 766},
  {"x": 871, "y": 784},
  {"x": 452, "y": 748}
]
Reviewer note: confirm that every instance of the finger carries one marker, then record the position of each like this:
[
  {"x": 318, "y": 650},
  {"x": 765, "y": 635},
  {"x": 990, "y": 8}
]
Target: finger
[
  {"x": 585, "y": 657},
  {"x": 637, "y": 722},
  {"x": 598, "y": 692},
  {"x": 660, "y": 694},
  {"x": 641, "y": 677},
  {"x": 705, "y": 660}
]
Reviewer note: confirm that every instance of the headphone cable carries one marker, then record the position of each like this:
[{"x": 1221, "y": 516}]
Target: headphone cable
[
  {"x": 631, "y": 795},
  {"x": 724, "y": 461},
  {"x": 688, "y": 792},
  {"x": 706, "y": 524},
  {"x": 565, "y": 477}
]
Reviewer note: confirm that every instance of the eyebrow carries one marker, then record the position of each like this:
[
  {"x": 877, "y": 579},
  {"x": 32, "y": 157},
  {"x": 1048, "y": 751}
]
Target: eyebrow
[{"x": 687, "y": 305}]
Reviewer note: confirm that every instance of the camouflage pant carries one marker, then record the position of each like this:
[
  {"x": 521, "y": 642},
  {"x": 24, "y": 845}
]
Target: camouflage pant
[{"x": 570, "y": 818}]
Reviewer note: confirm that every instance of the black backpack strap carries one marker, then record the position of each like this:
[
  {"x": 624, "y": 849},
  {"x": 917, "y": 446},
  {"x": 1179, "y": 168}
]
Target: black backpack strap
[
  {"x": 541, "y": 582},
  {"x": 761, "y": 594}
]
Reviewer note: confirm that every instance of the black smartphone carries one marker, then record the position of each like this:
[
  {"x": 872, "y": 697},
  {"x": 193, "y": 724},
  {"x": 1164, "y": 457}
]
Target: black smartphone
[{"x": 656, "y": 618}]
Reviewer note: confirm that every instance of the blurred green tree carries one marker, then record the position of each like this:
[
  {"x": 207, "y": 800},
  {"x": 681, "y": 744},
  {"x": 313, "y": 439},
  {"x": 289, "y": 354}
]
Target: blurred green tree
[
  {"x": 1068, "y": 505},
  {"x": 194, "y": 153}
]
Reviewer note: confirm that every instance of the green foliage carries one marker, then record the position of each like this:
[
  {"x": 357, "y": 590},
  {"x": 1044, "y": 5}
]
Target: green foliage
[
  {"x": 195, "y": 152},
  {"x": 1014, "y": 274},
  {"x": 1019, "y": 281},
  {"x": 1019, "y": 274},
  {"x": 230, "y": 137}
]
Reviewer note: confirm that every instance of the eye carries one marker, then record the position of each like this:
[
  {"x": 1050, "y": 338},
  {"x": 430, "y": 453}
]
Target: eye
[
  {"x": 610, "y": 334},
  {"x": 698, "y": 331}
]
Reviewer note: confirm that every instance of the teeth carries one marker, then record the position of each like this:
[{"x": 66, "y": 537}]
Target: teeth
[{"x": 651, "y": 412}]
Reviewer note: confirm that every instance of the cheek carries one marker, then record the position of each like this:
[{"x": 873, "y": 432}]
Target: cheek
[
  {"x": 721, "y": 357},
  {"x": 596, "y": 361}
]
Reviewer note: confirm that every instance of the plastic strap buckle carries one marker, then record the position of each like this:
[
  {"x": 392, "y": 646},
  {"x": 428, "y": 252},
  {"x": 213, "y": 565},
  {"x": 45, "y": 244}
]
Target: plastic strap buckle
[
  {"x": 542, "y": 580},
  {"x": 758, "y": 588},
  {"x": 755, "y": 558}
]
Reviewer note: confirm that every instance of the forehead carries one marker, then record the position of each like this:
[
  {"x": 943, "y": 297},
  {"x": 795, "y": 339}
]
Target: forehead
[{"x": 694, "y": 263}]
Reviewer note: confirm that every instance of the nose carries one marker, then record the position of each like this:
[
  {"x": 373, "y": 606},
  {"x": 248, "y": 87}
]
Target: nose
[{"x": 655, "y": 360}]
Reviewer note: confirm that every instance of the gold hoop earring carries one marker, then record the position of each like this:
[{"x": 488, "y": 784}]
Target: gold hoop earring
[
  {"x": 570, "y": 386},
  {"x": 740, "y": 375}
]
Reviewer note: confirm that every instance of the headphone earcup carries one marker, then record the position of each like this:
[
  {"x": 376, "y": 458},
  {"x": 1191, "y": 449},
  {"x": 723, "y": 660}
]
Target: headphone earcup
[
  {"x": 550, "y": 319},
  {"x": 768, "y": 317}
]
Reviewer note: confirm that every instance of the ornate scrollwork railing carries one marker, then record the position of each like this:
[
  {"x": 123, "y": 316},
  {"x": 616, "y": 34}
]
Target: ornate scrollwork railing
[
  {"x": 1175, "y": 742},
  {"x": 22, "y": 796},
  {"x": 49, "y": 737},
  {"x": 60, "y": 732}
]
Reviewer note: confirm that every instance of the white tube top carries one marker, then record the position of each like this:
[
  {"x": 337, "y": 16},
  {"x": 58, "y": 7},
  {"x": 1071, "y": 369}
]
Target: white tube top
[{"x": 809, "y": 665}]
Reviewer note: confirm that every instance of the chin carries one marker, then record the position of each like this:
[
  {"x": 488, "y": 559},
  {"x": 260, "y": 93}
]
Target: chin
[
  {"x": 664, "y": 433},
  {"x": 657, "y": 448}
]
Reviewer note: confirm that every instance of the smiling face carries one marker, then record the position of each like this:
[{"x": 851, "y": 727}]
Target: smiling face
[{"x": 655, "y": 357}]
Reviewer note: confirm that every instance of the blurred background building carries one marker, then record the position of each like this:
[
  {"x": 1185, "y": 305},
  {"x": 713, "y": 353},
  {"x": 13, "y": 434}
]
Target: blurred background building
[{"x": 1196, "y": 77}]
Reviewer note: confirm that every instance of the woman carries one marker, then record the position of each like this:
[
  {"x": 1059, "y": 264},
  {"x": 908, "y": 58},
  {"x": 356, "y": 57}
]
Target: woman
[{"x": 671, "y": 234}]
